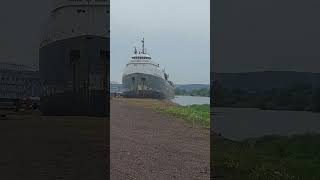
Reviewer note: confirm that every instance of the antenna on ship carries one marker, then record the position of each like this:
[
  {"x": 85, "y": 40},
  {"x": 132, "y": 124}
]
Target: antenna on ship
[
  {"x": 135, "y": 50},
  {"x": 142, "y": 46}
]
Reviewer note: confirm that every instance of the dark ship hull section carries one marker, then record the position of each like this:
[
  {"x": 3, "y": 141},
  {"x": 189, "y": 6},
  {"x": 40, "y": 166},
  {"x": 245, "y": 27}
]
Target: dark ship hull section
[
  {"x": 74, "y": 76},
  {"x": 140, "y": 85}
]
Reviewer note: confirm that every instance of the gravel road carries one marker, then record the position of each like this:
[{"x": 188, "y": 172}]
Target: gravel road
[
  {"x": 149, "y": 145},
  {"x": 144, "y": 145},
  {"x": 52, "y": 148}
]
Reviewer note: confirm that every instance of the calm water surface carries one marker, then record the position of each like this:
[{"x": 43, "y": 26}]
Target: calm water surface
[
  {"x": 241, "y": 123},
  {"x": 189, "y": 100}
]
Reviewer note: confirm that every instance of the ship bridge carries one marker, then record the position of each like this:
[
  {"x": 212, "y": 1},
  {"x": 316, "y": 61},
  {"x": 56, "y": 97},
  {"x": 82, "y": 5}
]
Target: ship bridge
[
  {"x": 65, "y": 3},
  {"x": 141, "y": 56},
  {"x": 74, "y": 18},
  {"x": 142, "y": 59}
]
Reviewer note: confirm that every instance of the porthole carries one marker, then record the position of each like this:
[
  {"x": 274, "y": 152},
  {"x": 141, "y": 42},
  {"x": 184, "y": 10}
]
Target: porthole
[{"x": 81, "y": 11}]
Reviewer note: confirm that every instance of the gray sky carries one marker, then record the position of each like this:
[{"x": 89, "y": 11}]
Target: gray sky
[
  {"x": 176, "y": 32},
  {"x": 250, "y": 35},
  {"x": 259, "y": 35},
  {"x": 20, "y": 30}
]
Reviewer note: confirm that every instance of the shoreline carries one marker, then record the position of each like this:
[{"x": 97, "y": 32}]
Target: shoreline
[{"x": 196, "y": 115}]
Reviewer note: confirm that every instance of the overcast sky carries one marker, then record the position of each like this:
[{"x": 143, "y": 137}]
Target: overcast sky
[
  {"x": 250, "y": 35},
  {"x": 259, "y": 35},
  {"x": 20, "y": 30},
  {"x": 176, "y": 32}
]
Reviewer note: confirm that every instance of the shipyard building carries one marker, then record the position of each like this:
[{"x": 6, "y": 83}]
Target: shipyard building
[{"x": 18, "y": 81}]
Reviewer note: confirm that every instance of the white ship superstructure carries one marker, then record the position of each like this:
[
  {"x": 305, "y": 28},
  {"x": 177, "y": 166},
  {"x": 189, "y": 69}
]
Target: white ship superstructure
[
  {"x": 143, "y": 77},
  {"x": 73, "y": 18}
]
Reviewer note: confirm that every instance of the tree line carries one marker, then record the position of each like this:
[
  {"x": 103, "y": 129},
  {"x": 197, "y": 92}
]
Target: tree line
[
  {"x": 196, "y": 92},
  {"x": 298, "y": 96}
]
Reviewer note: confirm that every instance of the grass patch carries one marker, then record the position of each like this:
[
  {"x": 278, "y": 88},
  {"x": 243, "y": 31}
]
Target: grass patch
[
  {"x": 195, "y": 114},
  {"x": 268, "y": 158}
]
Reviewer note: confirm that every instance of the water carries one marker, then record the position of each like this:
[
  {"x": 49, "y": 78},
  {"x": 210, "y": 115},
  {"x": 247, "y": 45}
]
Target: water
[
  {"x": 189, "y": 100},
  {"x": 241, "y": 123}
]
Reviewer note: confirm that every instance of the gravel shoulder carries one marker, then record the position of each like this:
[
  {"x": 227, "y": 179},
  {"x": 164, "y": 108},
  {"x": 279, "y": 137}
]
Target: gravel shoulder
[
  {"x": 53, "y": 148},
  {"x": 149, "y": 145}
]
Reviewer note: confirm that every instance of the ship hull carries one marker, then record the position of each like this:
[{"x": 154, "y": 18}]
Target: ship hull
[
  {"x": 75, "y": 104},
  {"x": 67, "y": 87},
  {"x": 140, "y": 85}
]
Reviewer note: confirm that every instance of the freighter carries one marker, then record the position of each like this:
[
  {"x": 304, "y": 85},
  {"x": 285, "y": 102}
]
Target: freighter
[
  {"x": 143, "y": 78},
  {"x": 74, "y": 58}
]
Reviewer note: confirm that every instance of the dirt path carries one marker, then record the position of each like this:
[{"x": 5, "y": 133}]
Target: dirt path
[
  {"x": 144, "y": 145},
  {"x": 52, "y": 148},
  {"x": 149, "y": 145}
]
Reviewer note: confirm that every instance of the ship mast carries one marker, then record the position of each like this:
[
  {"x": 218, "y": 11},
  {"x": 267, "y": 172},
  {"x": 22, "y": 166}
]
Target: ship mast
[
  {"x": 142, "y": 46},
  {"x": 135, "y": 50}
]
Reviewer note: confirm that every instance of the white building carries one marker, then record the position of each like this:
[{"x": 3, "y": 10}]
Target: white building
[
  {"x": 18, "y": 81},
  {"x": 115, "y": 87}
]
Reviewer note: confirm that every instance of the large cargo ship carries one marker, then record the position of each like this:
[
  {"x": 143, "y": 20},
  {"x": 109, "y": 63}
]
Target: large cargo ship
[
  {"x": 143, "y": 78},
  {"x": 74, "y": 58}
]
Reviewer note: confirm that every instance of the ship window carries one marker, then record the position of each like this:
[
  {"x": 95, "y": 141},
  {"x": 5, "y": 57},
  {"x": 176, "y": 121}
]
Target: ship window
[{"x": 81, "y": 11}]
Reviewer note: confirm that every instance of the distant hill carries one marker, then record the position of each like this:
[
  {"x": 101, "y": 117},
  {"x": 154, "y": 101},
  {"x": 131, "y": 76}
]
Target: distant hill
[
  {"x": 265, "y": 80},
  {"x": 191, "y": 87},
  {"x": 271, "y": 90}
]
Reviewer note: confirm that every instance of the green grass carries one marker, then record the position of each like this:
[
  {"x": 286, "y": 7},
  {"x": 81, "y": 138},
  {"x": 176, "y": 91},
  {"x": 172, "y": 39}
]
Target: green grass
[
  {"x": 268, "y": 158},
  {"x": 195, "y": 114}
]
